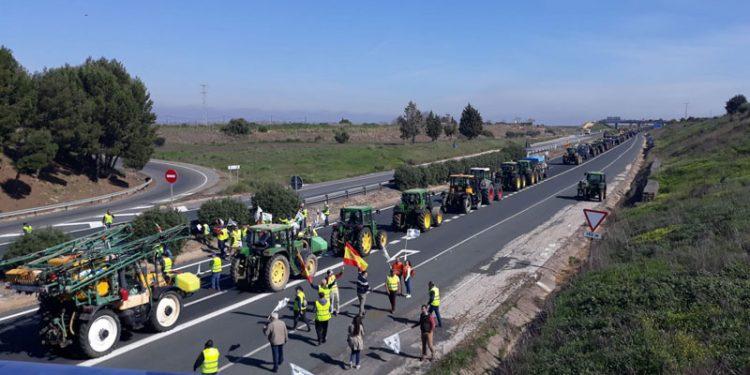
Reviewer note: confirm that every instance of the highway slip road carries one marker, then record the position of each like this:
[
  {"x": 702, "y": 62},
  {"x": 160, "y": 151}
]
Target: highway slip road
[{"x": 234, "y": 319}]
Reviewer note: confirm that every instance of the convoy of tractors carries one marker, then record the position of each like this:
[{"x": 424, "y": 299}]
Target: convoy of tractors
[{"x": 91, "y": 288}]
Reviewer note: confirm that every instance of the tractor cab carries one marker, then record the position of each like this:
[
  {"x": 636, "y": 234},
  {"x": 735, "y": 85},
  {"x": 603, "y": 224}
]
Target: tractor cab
[
  {"x": 355, "y": 215},
  {"x": 524, "y": 165},
  {"x": 595, "y": 177},
  {"x": 462, "y": 183},
  {"x": 357, "y": 227},
  {"x": 414, "y": 198},
  {"x": 509, "y": 167},
  {"x": 481, "y": 173},
  {"x": 571, "y": 151}
]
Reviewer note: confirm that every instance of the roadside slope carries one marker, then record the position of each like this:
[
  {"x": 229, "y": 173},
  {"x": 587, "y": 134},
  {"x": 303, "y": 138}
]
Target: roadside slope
[{"x": 668, "y": 289}]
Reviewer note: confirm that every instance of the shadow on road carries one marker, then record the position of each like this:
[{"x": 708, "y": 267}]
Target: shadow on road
[{"x": 328, "y": 360}]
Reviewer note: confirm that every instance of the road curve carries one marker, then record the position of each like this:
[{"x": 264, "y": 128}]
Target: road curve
[{"x": 234, "y": 319}]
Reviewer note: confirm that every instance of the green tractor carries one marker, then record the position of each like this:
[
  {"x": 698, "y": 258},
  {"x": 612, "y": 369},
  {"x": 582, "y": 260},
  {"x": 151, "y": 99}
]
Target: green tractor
[
  {"x": 358, "y": 227},
  {"x": 593, "y": 185},
  {"x": 416, "y": 210},
  {"x": 272, "y": 254},
  {"x": 487, "y": 185},
  {"x": 571, "y": 156},
  {"x": 512, "y": 178},
  {"x": 462, "y": 195},
  {"x": 531, "y": 172}
]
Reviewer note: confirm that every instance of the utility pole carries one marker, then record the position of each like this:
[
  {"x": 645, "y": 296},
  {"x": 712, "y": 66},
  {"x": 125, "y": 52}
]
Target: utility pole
[
  {"x": 686, "y": 106},
  {"x": 203, "y": 93}
]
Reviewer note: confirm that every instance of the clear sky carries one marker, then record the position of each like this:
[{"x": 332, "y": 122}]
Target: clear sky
[{"x": 560, "y": 62}]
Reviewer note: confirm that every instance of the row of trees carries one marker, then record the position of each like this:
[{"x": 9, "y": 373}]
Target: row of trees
[
  {"x": 87, "y": 116},
  {"x": 413, "y": 122}
]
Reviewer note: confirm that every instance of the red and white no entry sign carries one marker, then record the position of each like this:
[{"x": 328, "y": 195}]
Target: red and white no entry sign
[{"x": 171, "y": 176}]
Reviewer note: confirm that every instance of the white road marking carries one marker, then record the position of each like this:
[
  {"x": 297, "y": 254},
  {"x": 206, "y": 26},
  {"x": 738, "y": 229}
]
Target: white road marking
[
  {"x": 29, "y": 311},
  {"x": 447, "y": 220},
  {"x": 212, "y": 295},
  {"x": 10, "y": 235},
  {"x": 394, "y": 242},
  {"x": 180, "y": 165},
  {"x": 454, "y": 217}
]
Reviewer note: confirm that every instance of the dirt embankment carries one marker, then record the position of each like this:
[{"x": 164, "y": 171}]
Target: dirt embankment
[
  {"x": 56, "y": 185},
  {"x": 492, "y": 309}
]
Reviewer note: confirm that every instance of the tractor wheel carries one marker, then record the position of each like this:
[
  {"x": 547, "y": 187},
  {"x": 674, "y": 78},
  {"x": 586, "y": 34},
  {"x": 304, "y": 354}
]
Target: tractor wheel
[
  {"x": 398, "y": 222},
  {"x": 98, "y": 336},
  {"x": 437, "y": 217},
  {"x": 517, "y": 185},
  {"x": 486, "y": 194},
  {"x": 424, "y": 221},
  {"x": 276, "y": 273},
  {"x": 365, "y": 241},
  {"x": 239, "y": 274},
  {"x": 523, "y": 183},
  {"x": 311, "y": 262},
  {"x": 580, "y": 194},
  {"x": 337, "y": 246},
  {"x": 533, "y": 179},
  {"x": 165, "y": 313},
  {"x": 381, "y": 239},
  {"x": 605, "y": 193},
  {"x": 466, "y": 205}
]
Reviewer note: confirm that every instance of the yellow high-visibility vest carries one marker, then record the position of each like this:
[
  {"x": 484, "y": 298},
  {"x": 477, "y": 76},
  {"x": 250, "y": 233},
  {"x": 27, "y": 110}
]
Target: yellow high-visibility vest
[
  {"x": 216, "y": 266},
  {"x": 300, "y": 303},
  {"x": 436, "y": 296},
  {"x": 108, "y": 219},
  {"x": 326, "y": 292},
  {"x": 206, "y": 230},
  {"x": 223, "y": 234},
  {"x": 332, "y": 282},
  {"x": 304, "y": 213},
  {"x": 167, "y": 265},
  {"x": 210, "y": 363},
  {"x": 236, "y": 237},
  {"x": 392, "y": 283},
  {"x": 27, "y": 229},
  {"x": 323, "y": 312}
]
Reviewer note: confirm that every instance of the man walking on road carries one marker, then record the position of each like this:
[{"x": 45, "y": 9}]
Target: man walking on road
[
  {"x": 434, "y": 302},
  {"x": 363, "y": 287},
  {"x": 426, "y": 328},
  {"x": 27, "y": 228},
  {"x": 208, "y": 360},
  {"x": 277, "y": 335},
  {"x": 108, "y": 219},
  {"x": 300, "y": 309},
  {"x": 393, "y": 286},
  {"x": 215, "y": 271},
  {"x": 406, "y": 274},
  {"x": 322, "y": 316}
]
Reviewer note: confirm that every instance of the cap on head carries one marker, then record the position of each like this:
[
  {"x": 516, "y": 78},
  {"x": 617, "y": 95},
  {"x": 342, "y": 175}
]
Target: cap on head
[{"x": 210, "y": 343}]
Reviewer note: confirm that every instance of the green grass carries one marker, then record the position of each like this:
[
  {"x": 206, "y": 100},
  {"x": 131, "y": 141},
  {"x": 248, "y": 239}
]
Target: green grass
[
  {"x": 316, "y": 162},
  {"x": 669, "y": 287}
]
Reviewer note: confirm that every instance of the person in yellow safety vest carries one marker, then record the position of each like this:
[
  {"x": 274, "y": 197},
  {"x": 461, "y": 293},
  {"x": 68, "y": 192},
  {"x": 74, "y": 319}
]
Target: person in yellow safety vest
[
  {"x": 206, "y": 233},
  {"x": 326, "y": 213},
  {"x": 221, "y": 241},
  {"x": 434, "y": 302},
  {"x": 323, "y": 289},
  {"x": 304, "y": 212},
  {"x": 166, "y": 267},
  {"x": 208, "y": 360},
  {"x": 334, "y": 288},
  {"x": 215, "y": 271},
  {"x": 108, "y": 219},
  {"x": 27, "y": 229},
  {"x": 322, "y": 316},
  {"x": 236, "y": 239},
  {"x": 393, "y": 285},
  {"x": 300, "y": 309},
  {"x": 245, "y": 231}
]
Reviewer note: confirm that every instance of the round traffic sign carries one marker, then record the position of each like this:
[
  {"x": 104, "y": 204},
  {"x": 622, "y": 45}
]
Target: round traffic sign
[{"x": 171, "y": 176}]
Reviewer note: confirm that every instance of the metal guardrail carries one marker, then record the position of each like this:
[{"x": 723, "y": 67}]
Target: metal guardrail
[
  {"x": 68, "y": 205},
  {"x": 559, "y": 142},
  {"x": 364, "y": 189}
]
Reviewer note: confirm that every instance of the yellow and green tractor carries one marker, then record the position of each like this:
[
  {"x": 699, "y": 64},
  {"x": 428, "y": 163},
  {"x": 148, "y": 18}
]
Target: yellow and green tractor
[{"x": 357, "y": 226}]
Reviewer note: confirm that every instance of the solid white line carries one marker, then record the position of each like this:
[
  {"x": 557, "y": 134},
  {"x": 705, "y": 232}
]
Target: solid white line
[
  {"x": 212, "y": 295},
  {"x": 394, "y": 242},
  {"x": 10, "y": 235},
  {"x": 454, "y": 217},
  {"x": 29, "y": 311},
  {"x": 180, "y": 165},
  {"x": 147, "y": 340},
  {"x": 447, "y": 220}
]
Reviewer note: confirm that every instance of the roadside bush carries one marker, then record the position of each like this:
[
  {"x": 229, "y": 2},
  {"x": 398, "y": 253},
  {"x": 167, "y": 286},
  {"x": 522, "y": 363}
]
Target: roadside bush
[
  {"x": 263, "y": 129},
  {"x": 407, "y": 177},
  {"x": 146, "y": 223},
  {"x": 276, "y": 199},
  {"x": 159, "y": 141},
  {"x": 341, "y": 136},
  {"x": 237, "y": 126},
  {"x": 225, "y": 209},
  {"x": 238, "y": 188},
  {"x": 38, "y": 240},
  {"x": 488, "y": 133}
]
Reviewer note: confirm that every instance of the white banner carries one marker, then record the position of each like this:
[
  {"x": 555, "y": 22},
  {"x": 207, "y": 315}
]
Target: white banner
[
  {"x": 393, "y": 342},
  {"x": 412, "y": 234},
  {"x": 282, "y": 304},
  {"x": 296, "y": 370}
]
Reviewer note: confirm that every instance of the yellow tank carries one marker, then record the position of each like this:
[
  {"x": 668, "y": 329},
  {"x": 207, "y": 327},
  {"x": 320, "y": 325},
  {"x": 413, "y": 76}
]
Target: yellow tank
[{"x": 187, "y": 282}]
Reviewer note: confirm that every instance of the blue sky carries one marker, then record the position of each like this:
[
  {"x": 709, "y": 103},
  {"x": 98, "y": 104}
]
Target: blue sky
[{"x": 560, "y": 62}]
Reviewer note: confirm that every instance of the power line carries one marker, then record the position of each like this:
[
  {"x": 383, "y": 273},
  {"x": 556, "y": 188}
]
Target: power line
[
  {"x": 203, "y": 93},
  {"x": 686, "y": 107}
]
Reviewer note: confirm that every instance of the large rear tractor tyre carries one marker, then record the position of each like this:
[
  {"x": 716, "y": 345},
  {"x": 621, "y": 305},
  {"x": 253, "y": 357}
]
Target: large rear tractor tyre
[
  {"x": 276, "y": 273},
  {"x": 517, "y": 183},
  {"x": 239, "y": 274},
  {"x": 365, "y": 241},
  {"x": 98, "y": 336},
  {"x": 424, "y": 221},
  {"x": 381, "y": 239},
  {"x": 437, "y": 217},
  {"x": 337, "y": 247},
  {"x": 523, "y": 183},
  {"x": 166, "y": 312},
  {"x": 466, "y": 205},
  {"x": 311, "y": 263},
  {"x": 398, "y": 222}
]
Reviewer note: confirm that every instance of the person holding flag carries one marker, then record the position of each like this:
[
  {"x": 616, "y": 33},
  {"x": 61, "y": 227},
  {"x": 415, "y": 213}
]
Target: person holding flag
[
  {"x": 352, "y": 258},
  {"x": 333, "y": 287}
]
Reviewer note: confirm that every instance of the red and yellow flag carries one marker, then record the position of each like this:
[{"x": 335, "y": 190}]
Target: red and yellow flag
[
  {"x": 303, "y": 269},
  {"x": 352, "y": 258}
]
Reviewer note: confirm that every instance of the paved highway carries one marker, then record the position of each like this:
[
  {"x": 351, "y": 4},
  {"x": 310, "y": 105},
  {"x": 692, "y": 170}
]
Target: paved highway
[{"x": 234, "y": 319}]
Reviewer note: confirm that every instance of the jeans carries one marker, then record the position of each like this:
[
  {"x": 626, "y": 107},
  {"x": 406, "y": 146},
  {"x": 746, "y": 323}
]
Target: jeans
[
  {"x": 436, "y": 310},
  {"x": 321, "y": 329},
  {"x": 277, "y": 351},
  {"x": 354, "y": 357},
  {"x": 407, "y": 283},
  {"x": 215, "y": 280}
]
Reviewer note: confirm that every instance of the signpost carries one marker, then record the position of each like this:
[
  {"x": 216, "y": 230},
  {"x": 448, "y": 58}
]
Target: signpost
[
  {"x": 296, "y": 182},
  {"x": 235, "y": 167},
  {"x": 594, "y": 218},
  {"x": 171, "y": 177}
]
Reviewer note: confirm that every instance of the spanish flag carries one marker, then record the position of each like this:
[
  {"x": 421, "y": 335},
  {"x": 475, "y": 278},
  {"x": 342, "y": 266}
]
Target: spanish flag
[
  {"x": 303, "y": 269},
  {"x": 352, "y": 258}
]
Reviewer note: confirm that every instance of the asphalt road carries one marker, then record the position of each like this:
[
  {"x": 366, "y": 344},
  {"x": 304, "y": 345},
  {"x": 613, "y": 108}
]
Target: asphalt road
[{"x": 234, "y": 319}]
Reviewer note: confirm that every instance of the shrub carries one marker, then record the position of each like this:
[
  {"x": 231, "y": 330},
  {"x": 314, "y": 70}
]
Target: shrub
[
  {"x": 263, "y": 129},
  {"x": 341, "y": 136},
  {"x": 407, "y": 177},
  {"x": 146, "y": 223},
  {"x": 238, "y": 188},
  {"x": 488, "y": 133},
  {"x": 237, "y": 126},
  {"x": 225, "y": 209},
  {"x": 733, "y": 104},
  {"x": 159, "y": 141},
  {"x": 38, "y": 240},
  {"x": 276, "y": 199},
  {"x": 345, "y": 121}
]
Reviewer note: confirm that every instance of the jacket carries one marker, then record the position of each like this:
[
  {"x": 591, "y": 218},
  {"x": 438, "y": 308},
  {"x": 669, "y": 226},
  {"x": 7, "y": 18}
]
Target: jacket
[
  {"x": 356, "y": 342},
  {"x": 426, "y": 323},
  {"x": 276, "y": 332},
  {"x": 363, "y": 286}
]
